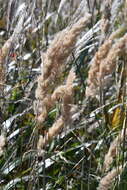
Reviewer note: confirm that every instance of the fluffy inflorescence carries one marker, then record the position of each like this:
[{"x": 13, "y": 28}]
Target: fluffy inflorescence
[
  {"x": 105, "y": 23},
  {"x": 53, "y": 131},
  {"x": 46, "y": 93},
  {"x": 7, "y": 45},
  {"x": 65, "y": 93},
  {"x": 3, "y": 53},
  {"x": 113, "y": 150},
  {"x": 106, "y": 181},
  {"x": 53, "y": 62},
  {"x": 104, "y": 62}
]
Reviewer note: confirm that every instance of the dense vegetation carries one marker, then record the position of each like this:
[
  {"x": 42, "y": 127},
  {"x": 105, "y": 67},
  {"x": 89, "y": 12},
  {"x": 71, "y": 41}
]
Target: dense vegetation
[{"x": 63, "y": 113}]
